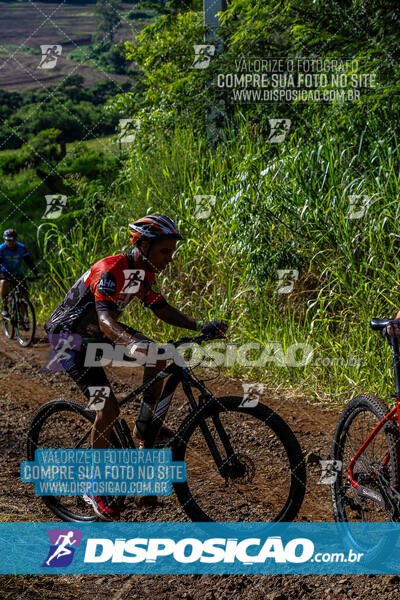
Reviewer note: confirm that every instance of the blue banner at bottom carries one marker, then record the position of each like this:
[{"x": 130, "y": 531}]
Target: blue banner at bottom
[{"x": 184, "y": 548}]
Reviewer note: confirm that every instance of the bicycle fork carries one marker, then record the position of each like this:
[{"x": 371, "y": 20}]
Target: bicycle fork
[{"x": 224, "y": 465}]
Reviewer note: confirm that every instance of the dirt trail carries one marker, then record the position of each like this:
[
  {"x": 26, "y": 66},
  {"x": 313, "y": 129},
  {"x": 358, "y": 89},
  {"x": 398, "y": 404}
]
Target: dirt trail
[{"x": 25, "y": 387}]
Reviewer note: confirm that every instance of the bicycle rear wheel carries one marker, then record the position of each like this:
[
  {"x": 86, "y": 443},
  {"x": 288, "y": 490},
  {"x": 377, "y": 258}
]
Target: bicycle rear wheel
[
  {"x": 25, "y": 326},
  {"x": 63, "y": 424},
  {"x": 377, "y": 468},
  {"x": 263, "y": 475}
]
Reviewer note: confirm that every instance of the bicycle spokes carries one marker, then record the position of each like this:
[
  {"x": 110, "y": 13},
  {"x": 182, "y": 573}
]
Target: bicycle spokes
[
  {"x": 8, "y": 327},
  {"x": 247, "y": 479},
  {"x": 369, "y": 497}
]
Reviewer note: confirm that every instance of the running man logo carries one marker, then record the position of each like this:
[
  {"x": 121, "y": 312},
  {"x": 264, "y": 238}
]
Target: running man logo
[
  {"x": 251, "y": 394},
  {"x": 98, "y": 396},
  {"x": 54, "y": 206},
  {"x": 63, "y": 543},
  {"x": 203, "y": 205},
  {"x": 133, "y": 280},
  {"x": 358, "y": 206},
  {"x": 329, "y": 471},
  {"x": 63, "y": 346},
  {"x": 288, "y": 277},
  {"x": 203, "y": 54},
  {"x": 128, "y": 129},
  {"x": 50, "y": 54},
  {"x": 279, "y": 130}
]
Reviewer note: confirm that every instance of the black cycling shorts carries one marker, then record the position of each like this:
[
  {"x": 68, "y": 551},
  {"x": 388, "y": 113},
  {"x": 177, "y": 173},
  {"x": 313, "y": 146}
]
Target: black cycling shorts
[
  {"x": 17, "y": 280},
  {"x": 86, "y": 377}
]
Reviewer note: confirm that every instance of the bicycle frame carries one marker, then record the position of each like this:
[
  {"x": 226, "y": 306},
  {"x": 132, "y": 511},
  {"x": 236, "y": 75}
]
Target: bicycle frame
[
  {"x": 14, "y": 294},
  {"x": 14, "y": 298},
  {"x": 177, "y": 374},
  {"x": 393, "y": 415}
]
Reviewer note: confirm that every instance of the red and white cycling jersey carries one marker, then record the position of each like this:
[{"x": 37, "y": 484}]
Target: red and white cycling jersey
[{"x": 110, "y": 284}]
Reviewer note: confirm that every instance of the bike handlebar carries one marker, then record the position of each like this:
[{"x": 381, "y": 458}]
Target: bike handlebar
[{"x": 195, "y": 340}]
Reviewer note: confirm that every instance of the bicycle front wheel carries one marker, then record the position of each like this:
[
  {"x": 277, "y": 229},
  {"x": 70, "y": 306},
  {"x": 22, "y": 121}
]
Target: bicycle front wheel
[
  {"x": 65, "y": 424},
  {"x": 262, "y": 476},
  {"x": 8, "y": 326},
  {"x": 26, "y": 322}
]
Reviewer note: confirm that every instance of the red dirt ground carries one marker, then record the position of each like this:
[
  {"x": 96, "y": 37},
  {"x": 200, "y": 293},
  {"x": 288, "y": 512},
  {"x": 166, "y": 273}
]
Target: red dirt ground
[{"x": 25, "y": 388}]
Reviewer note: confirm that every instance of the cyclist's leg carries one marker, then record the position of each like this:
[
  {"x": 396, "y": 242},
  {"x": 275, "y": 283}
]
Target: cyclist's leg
[
  {"x": 86, "y": 378},
  {"x": 23, "y": 292},
  {"x": 150, "y": 399},
  {"x": 152, "y": 396},
  {"x": 4, "y": 290},
  {"x": 143, "y": 426},
  {"x": 95, "y": 377}
]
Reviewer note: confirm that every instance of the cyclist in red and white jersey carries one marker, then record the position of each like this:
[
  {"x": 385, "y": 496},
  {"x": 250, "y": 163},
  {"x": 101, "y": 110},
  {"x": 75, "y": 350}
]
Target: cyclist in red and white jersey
[{"x": 92, "y": 307}]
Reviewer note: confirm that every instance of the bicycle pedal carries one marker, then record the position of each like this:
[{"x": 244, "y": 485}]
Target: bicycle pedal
[{"x": 373, "y": 495}]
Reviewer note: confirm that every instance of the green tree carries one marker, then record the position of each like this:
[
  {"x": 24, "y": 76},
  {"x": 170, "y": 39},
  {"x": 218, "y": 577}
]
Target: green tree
[
  {"x": 170, "y": 83},
  {"x": 43, "y": 154},
  {"x": 110, "y": 19}
]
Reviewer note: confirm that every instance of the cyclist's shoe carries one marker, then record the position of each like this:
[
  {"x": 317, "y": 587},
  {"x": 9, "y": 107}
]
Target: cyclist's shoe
[
  {"x": 105, "y": 507},
  {"x": 25, "y": 324},
  {"x": 5, "y": 313},
  {"x": 165, "y": 435}
]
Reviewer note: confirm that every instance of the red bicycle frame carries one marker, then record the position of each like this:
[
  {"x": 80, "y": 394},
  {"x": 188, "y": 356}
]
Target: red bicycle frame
[{"x": 393, "y": 415}]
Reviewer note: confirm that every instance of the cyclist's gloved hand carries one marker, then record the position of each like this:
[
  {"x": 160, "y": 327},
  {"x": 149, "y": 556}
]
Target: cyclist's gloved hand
[
  {"x": 215, "y": 329},
  {"x": 137, "y": 349},
  {"x": 393, "y": 330}
]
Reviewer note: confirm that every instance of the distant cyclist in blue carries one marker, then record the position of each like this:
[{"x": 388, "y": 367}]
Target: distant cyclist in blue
[{"x": 12, "y": 253}]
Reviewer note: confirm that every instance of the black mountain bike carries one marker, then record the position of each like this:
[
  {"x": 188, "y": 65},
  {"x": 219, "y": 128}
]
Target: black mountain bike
[
  {"x": 21, "y": 323},
  {"x": 243, "y": 462}
]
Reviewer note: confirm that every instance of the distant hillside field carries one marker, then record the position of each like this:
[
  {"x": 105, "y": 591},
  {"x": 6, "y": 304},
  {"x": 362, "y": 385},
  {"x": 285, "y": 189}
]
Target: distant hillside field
[{"x": 24, "y": 27}]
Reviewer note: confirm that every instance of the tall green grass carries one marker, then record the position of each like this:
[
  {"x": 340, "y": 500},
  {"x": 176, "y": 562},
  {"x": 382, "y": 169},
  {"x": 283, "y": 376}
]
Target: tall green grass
[{"x": 280, "y": 206}]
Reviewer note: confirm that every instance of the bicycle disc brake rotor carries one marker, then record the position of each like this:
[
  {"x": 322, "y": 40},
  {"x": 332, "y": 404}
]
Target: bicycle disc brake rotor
[{"x": 240, "y": 468}]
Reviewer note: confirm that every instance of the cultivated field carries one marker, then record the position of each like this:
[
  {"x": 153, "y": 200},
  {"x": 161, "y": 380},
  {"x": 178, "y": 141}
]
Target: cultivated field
[{"x": 24, "y": 27}]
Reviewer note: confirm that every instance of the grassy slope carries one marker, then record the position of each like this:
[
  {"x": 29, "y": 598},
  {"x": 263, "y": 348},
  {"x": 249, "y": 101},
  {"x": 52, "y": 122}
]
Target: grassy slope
[
  {"x": 337, "y": 291},
  {"x": 348, "y": 271}
]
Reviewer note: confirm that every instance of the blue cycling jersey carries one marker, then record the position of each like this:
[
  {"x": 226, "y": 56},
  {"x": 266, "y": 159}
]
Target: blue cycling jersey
[{"x": 11, "y": 260}]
